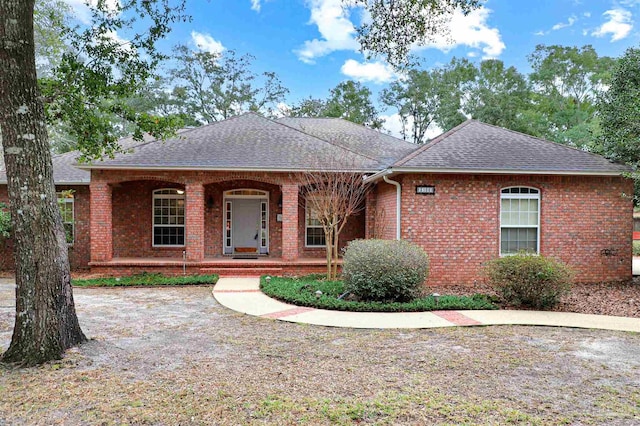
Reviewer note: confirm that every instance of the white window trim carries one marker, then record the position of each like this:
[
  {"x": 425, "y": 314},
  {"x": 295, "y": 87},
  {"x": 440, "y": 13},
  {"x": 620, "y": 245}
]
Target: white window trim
[
  {"x": 520, "y": 197},
  {"x": 306, "y": 226},
  {"x": 156, "y": 196},
  {"x": 69, "y": 200}
]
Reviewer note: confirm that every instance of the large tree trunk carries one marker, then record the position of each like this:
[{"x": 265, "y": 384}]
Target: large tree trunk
[{"x": 46, "y": 323}]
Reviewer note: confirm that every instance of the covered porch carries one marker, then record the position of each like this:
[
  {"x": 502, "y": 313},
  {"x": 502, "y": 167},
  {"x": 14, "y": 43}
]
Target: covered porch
[
  {"x": 232, "y": 224},
  {"x": 225, "y": 267}
]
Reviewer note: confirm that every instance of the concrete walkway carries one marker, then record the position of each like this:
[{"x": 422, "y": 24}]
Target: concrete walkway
[{"x": 244, "y": 295}]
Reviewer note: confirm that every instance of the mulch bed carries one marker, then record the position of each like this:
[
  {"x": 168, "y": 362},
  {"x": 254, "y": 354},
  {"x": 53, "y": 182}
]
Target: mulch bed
[{"x": 618, "y": 299}]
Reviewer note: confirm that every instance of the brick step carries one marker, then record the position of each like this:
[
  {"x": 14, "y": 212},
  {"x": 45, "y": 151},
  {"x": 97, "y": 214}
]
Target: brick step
[{"x": 241, "y": 272}]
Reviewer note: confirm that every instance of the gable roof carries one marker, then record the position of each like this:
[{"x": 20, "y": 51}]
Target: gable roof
[
  {"x": 245, "y": 142},
  {"x": 384, "y": 148},
  {"x": 475, "y": 147}
]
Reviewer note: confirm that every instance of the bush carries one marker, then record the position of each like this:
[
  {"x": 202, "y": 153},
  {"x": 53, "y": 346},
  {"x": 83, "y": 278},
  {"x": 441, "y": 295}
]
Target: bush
[
  {"x": 636, "y": 248},
  {"x": 5, "y": 222},
  {"x": 384, "y": 270},
  {"x": 146, "y": 279},
  {"x": 529, "y": 280},
  {"x": 302, "y": 292}
]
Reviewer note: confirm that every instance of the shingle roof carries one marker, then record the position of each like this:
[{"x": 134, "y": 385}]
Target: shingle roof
[
  {"x": 252, "y": 142},
  {"x": 476, "y": 146},
  {"x": 65, "y": 171},
  {"x": 384, "y": 148},
  {"x": 247, "y": 141}
]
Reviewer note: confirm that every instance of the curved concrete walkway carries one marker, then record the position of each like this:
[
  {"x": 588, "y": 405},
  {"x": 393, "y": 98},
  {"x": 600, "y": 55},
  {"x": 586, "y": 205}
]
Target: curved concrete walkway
[{"x": 244, "y": 295}]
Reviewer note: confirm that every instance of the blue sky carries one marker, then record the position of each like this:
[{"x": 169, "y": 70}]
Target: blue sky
[{"x": 310, "y": 44}]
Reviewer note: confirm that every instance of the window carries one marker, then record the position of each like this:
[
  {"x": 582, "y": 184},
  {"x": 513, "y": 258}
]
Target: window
[
  {"x": 65, "y": 203},
  {"x": 168, "y": 217},
  {"x": 314, "y": 232},
  {"x": 519, "y": 220}
]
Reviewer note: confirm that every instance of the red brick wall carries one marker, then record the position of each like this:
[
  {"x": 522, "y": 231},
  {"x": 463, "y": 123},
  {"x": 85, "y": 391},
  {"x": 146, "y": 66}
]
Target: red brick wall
[
  {"x": 354, "y": 229},
  {"x": 79, "y": 252},
  {"x": 132, "y": 220},
  {"x": 385, "y": 221},
  {"x": 459, "y": 226}
]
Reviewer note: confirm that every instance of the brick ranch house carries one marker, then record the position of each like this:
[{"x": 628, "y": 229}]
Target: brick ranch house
[{"x": 225, "y": 198}]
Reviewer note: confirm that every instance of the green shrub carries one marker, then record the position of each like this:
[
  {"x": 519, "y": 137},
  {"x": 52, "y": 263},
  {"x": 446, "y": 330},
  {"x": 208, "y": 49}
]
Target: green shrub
[
  {"x": 5, "y": 222},
  {"x": 384, "y": 270},
  {"x": 146, "y": 279},
  {"x": 302, "y": 292},
  {"x": 636, "y": 248},
  {"x": 529, "y": 280}
]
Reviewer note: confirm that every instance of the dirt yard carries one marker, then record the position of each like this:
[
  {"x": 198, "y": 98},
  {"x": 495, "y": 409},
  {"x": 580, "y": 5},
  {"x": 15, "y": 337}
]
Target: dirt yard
[{"x": 175, "y": 356}]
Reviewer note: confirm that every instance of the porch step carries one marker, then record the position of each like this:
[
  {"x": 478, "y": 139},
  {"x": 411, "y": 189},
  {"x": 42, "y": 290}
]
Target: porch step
[{"x": 241, "y": 272}]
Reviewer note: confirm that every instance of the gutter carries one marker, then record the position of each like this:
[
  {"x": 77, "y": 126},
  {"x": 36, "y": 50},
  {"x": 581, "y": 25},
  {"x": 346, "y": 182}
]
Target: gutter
[
  {"x": 398, "y": 199},
  {"x": 387, "y": 172}
]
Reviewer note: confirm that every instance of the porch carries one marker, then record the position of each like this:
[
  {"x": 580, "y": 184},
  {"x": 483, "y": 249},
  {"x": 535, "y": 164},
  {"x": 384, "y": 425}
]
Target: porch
[{"x": 225, "y": 267}]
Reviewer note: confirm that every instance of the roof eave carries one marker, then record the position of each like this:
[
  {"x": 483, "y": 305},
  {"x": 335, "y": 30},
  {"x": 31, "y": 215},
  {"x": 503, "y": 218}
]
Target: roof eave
[
  {"x": 221, "y": 169},
  {"x": 391, "y": 170}
]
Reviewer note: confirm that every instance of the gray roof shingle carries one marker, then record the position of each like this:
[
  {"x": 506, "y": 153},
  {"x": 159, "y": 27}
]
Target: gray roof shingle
[
  {"x": 384, "y": 148},
  {"x": 476, "y": 146},
  {"x": 247, "y": 141}
]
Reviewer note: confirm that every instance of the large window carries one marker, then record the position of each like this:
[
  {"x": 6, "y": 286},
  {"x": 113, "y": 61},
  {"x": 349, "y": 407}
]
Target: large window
[
  {"x": 313, "y": 227},
  {"x": 168, "y": 217},
  {"x": 519, "y": 220},
  {"x": 66, "y": 205}
]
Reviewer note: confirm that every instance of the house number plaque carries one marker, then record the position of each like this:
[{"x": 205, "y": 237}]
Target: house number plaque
[{"x": 426, "y": 190}]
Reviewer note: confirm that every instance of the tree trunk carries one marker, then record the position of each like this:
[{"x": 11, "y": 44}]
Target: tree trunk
[
  {"x": 46, "y": 323},
  {"x": 329, "y": 248}
]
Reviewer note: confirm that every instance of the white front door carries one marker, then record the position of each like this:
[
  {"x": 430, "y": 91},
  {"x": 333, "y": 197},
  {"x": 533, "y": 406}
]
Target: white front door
[{"x": 246, "y": 225}]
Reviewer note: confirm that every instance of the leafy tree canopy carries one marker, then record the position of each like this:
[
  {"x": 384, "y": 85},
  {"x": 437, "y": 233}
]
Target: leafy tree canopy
[
  {"x": 398, "y": 25},
  {"x": 619, "y": 109},
  {"x": 349, "y": 100}
]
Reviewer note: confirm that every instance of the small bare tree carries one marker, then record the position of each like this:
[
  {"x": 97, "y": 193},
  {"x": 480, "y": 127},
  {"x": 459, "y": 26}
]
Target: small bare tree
[{"x": 333, "y": 197}]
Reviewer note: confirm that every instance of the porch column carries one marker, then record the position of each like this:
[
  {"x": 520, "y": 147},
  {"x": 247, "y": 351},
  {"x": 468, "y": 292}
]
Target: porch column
[
  {"x": 290, "y": 221},
  {"x": 101, "y": 222},
  {"x": 194, "y": 221}
]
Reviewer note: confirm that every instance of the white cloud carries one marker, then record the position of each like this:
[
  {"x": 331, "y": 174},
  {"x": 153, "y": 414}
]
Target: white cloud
[
  {"x": 255, "y": 5},
  {"x": 471, "y": 30},
  {"x": 206, "y": 43},
  {"x": 338, "y": 32},
  {"x": 540, "y": 33},
  {"x": 587, "y": 14},
  {"x": 82, "y": 8},
  {"x": 619, "y": 24},
  {"x": 560, "y": 25},
  {"x": 376, "y": 72},
  {"x": 336, "y": 29}
]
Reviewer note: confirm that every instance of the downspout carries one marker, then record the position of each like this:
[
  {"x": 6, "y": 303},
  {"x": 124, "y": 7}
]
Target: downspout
[{"x": 398, "y": 198}]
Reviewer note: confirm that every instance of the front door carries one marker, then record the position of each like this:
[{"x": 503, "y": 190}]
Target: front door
[{"x": 246, "y": 225}]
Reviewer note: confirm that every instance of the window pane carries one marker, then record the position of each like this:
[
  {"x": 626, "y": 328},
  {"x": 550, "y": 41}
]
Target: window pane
[
  {"x": 315, "y": 237},
  {"x": 513, "y": 240}
]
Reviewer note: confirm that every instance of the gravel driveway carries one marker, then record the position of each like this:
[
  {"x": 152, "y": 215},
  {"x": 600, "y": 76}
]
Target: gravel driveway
[{"x": 174, "y": 356}]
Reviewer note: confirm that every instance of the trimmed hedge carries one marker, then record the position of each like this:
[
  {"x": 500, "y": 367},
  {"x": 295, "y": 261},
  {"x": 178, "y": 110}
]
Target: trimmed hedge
[
  {"x": 146, "y": 279},
  {"x": 302, "y": 292},
  {"x": 385, "y": 270},
  {"x": 529, "y": 280},
  {"x": 636, "y": 248}
]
